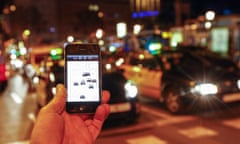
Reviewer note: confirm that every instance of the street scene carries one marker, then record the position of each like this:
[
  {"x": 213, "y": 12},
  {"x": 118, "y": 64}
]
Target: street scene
[
  {"x": 154, "y": 125},
  {"x": 171, "y": 69}
]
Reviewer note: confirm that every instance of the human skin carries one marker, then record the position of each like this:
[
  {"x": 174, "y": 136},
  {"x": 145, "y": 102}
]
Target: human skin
[{"x": 54, "y": 125}]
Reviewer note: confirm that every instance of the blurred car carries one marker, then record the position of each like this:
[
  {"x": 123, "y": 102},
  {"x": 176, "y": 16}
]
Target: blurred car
[
  {"x": 124, "y": 104},
  {"x": 3, "y": 77},
  {"x": 186, "y": 78}
]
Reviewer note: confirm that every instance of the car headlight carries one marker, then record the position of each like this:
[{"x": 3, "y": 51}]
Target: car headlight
[
  {"x": 205, "y": 89},
  {"x": 131, "y": 90},
  {"x": 238, "y": 84}
]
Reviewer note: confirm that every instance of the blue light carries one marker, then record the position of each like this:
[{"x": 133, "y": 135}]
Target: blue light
[
  {"x": 227, "y": 12},
  {"x": 142, "y": 14},
  {"x": 134, "y": 15}
]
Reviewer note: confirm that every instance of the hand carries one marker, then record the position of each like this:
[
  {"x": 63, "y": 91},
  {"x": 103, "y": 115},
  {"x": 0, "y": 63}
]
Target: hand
[{"x": 54, "y": 125}]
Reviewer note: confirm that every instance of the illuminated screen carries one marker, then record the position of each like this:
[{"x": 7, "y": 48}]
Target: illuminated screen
[{"x": 83, "y": 78}]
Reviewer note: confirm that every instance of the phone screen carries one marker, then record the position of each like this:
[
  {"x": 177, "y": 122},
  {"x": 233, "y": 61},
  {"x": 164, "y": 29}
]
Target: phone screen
[{"x": 83, "y": 78}]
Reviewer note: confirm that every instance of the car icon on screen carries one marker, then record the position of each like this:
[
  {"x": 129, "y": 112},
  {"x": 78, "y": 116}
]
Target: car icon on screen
[
  {"x": 82, "y": 96},
  {"x": 86, "y": 74},
  {"x": 90, "y": 87},
  {"x": 75, "y": 83},
  {"x": 82, "y": 82}
]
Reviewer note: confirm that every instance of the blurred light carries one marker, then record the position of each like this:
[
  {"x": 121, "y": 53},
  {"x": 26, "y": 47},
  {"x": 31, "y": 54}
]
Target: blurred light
[
  {"x": 17, "y": 63},
  {"x": 56, "y": 53},
  {"x": 52, "y": 77},
  {"x": 136, "y": 29},
  {"x": 13, "y": 56},
  {"x": 54, "y": 90},
  {"x": 165, "y": 35},
  {"x": 131, "y": 90},
  {"x": 99, "y": 33},
  {"x": 108, "y": 66},
  {"x": 12, "y": 7},
  {"x": 17, "y": 99},
  {"x": 53, "y": 52},
  {"x": 141, "y": 56},
  {"x": 100, "y": 14},
  {"x": 208, "y": 25},
  {"x": 238, "y": 84},
  {"x": 157, "y": 31},
  {"x": 93, "y": 7},
  {"x": 136, "y": 69},
  {"x": 42, "y": 69},
  {"x": 174, "y": 44},
  {"x": 26, "y": 32},
  {"x": 119, "y": 62},
  {"x": 210, "y": 15},
  {"x": 227, "y": 12},
  {"x": 21, "y": 44},
  {"x": 194, "y": 26},
  {"x": 13, "y": 51},
  {"x": 112, "y": 48},
  {"x": 52, "y": 29},
  {"x": 142, "y": 14},
  {"x": 205, "y": 89},
  {"x": 70, "y": 39},
  {"x": 155, "y": 48},
  {"x": 36, "y": 80},
  {"x": 101, "y": 42},
  {"x": 6, "y": 10},
  {"x": 176, "y": 38},
  {"x": 31, "y": 117},
  {"x": 22, "y": 48},
  {"x": 23, "y": 51},
  {"x": 121, "y": 29}
]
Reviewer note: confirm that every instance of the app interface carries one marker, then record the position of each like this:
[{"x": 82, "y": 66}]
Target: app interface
[{"x": 83, "y": 78}]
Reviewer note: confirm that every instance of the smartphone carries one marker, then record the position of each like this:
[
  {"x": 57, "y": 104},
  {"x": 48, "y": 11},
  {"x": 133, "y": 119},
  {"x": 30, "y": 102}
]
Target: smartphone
[{"x": 83, "y": 77}]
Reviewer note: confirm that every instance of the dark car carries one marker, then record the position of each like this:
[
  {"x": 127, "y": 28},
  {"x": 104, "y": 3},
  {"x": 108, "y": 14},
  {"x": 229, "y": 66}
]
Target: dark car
[
  {"x": 186, "y": 78},
  {"x": 124, "y": 95}
]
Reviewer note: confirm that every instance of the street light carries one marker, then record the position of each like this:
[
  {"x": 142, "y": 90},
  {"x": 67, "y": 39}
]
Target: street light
[
  {"x": 137, "y": 28},
  {"x": 70, "y": 39},
  {"x": 99, "y": 33},
  {"x": 208, "y": 25},
  {"x": 210, "y": 15}
]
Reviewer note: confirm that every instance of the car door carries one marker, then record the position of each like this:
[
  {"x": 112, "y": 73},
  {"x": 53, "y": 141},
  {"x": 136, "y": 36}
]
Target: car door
[
  {"x": 151, "y": 75},
  {"x": 146, "y": 74}
]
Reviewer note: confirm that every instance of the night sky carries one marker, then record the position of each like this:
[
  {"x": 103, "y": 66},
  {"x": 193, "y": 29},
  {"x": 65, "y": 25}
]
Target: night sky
[
  {"x": 221, "y": 7},
  {"x": 197, "y": 6}
]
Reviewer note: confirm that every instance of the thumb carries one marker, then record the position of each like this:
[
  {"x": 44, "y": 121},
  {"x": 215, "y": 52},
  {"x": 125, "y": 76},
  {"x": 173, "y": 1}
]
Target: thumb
[{"x": 57, "y": 104}]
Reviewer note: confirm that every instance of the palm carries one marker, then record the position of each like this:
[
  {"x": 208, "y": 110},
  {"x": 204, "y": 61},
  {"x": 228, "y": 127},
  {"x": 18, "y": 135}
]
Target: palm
[{"x": 77, "y": 130}]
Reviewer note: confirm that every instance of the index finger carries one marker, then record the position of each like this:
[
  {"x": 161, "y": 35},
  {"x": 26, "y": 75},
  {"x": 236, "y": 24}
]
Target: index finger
[{"x": 57, "y": 104}]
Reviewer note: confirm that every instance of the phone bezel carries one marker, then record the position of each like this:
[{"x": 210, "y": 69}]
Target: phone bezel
[{"x": 79, "y": 49}]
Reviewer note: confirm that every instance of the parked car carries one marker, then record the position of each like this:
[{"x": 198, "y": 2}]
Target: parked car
[
  {"x": 123, "y": 102},
  {"x": 185, "y": 78}
]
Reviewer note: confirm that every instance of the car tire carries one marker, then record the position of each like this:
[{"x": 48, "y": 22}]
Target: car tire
[{"x": 172, "y": 100}]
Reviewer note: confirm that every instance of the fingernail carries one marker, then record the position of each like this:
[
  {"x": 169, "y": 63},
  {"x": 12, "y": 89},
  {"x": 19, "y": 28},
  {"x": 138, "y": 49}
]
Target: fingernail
[{"x": 59, "y": 87}]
